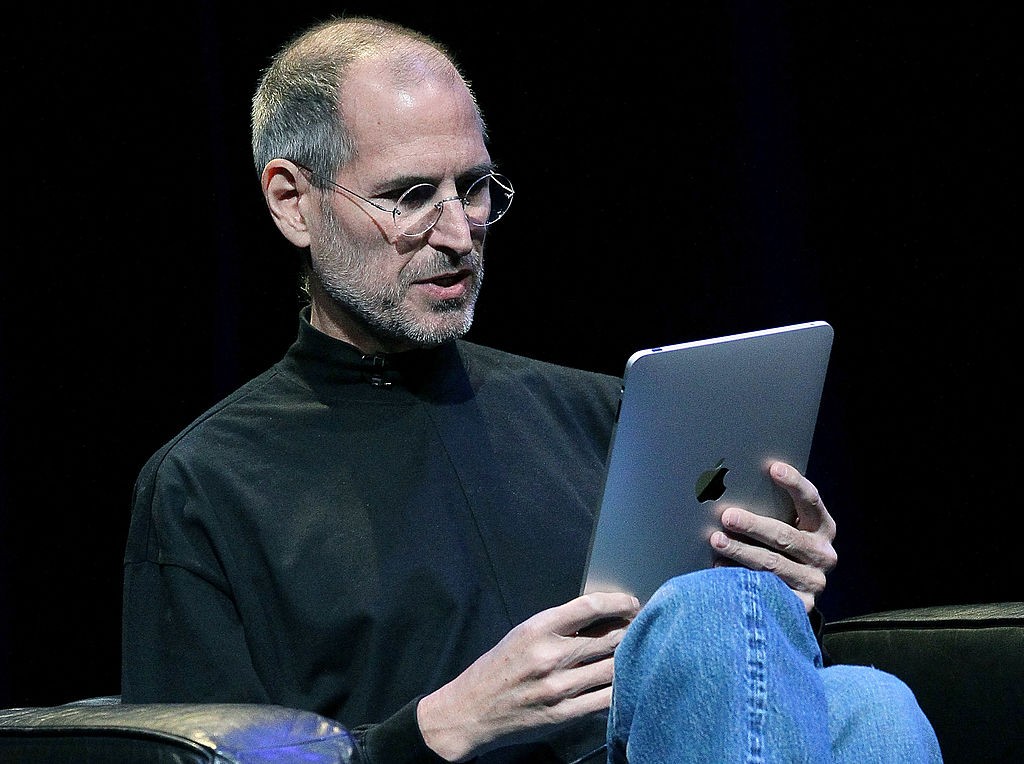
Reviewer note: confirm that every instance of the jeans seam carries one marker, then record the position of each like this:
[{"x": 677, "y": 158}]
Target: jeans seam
[{"x": 756, "y": 669}]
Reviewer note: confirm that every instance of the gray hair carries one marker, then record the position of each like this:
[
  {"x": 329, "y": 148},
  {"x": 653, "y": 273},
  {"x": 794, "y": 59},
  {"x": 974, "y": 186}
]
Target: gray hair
[{"x": 296, "y": 113}]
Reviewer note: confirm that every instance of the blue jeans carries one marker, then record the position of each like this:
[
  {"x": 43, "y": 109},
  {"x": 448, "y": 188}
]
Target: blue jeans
[{"x": 722, "y": 666}]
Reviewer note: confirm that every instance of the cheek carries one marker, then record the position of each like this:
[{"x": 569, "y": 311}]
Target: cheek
[{"x": 365, "y": 256}]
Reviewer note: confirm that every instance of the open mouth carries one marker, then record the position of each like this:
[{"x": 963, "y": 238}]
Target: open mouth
[
  {"x": 449, "y": 280},
  {"x": 447, "y": 286}
]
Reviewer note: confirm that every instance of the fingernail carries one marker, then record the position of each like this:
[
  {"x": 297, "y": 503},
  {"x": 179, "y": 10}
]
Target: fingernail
[
  {"x": 719, "y": 540},
  {"x": 779, "y": 470}
]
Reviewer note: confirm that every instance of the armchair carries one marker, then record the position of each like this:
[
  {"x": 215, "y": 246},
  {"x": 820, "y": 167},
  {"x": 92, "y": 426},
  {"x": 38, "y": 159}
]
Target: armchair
[
  {"x": 105, "y": 731},
  {"x": 964, "y": 662}
]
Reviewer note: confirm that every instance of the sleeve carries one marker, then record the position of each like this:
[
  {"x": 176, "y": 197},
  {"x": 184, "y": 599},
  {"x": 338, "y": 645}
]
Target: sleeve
[
  {"x": 182, "y": 637},
  {"x": 182, "y": 640},
  {"x": 183, "y": 643},
  {"x": 397, "y": 740}
]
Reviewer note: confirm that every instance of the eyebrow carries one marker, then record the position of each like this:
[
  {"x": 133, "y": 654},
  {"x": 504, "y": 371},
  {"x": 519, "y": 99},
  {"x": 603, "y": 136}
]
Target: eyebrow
[{"x": 403, "y": 182}]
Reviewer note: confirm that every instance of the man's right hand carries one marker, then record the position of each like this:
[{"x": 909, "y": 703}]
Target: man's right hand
[{"x": 549, "y": 670}]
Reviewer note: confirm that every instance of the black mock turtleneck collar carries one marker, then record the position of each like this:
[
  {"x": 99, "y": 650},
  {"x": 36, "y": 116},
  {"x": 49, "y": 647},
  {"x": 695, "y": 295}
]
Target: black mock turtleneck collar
[{"x": 322, "y": 359}]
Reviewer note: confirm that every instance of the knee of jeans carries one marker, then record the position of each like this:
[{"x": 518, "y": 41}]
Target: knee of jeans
[
  {"x": 871, "y": 710},
  {"x": 715, "y": 609},
  {"x": 882, "y": 701}
]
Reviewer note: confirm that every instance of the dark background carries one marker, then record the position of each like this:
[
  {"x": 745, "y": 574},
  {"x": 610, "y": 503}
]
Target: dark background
[{"x": 681, "y": 174}]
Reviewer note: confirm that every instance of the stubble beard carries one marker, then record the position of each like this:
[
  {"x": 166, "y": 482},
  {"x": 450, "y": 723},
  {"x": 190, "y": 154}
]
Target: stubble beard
[{"x": 349, "y": 279}]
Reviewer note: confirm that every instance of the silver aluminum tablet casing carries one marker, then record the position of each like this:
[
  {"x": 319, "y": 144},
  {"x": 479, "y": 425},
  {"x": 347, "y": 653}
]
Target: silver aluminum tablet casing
[{"x": 748, "y": 399}]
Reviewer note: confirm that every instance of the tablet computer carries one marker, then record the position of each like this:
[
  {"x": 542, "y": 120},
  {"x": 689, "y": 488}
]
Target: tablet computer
[{"x": 698, "y": 425}]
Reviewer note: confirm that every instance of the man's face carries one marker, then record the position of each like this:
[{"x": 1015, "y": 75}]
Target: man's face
[{"x": 390, "y": 292}]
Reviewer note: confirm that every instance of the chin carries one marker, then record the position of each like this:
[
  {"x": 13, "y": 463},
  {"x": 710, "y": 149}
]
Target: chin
[{"x": 433, "y": 333}]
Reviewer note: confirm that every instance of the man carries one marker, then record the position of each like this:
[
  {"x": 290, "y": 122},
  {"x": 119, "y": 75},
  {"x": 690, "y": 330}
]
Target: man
[{"x": 389, "y": 525}]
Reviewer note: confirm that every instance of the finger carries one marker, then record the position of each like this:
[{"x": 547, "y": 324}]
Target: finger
[
  {"x": 811, "y": 513},
  {"x": 802, "y": 578},
  {"x": 794, "y": 543},
  {"x": 586, "y": 610},
  {"x": 602, "y": 627},
  {"x": 579, "y": 679},
  {"x": 586, "y": 647},
  {"x": 591, "y": 701}
]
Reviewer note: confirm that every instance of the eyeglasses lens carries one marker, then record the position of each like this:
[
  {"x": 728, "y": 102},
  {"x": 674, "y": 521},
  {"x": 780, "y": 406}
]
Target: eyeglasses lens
[
  {"x": 488, "y": 199},
  {"x": 484, "y": 202}
]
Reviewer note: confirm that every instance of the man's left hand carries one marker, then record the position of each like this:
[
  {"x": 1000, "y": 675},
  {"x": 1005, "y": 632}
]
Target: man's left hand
[{"x": 800, "y": 554}]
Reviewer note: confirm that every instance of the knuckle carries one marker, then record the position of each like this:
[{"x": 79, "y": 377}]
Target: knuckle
[
  {"x": 788, "y": 539},
  {"x": 550, "y": 690},
  {"x": 540, "y": 658},
  {"x": 829, "y": 526},
  {"x": 529, "y": 631},
  {"x": 831, "y": 559},
  {"x": 823, "y": 556},
  {"x": 772, "y": 562},
  {"x": 817, "y": 582},
  {"x": 592, "y": 602}
]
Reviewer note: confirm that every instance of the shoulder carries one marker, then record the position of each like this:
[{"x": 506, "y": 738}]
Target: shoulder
[
  {"x": 226, "y": 421},
  {"x": 490, "y": 362},
  {"x": 200, "y": 465},
  {"x": 531, "y": 388}
]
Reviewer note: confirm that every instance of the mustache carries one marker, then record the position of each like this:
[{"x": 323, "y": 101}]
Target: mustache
[{"x": 440, "y": 264}]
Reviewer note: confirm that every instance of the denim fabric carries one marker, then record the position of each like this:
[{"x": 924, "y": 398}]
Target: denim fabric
[{"x": 722, "y": 666}]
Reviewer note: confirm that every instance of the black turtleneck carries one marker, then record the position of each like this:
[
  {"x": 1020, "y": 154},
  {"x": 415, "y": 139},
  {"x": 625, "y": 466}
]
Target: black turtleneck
[{"x": 347, "y": 533}]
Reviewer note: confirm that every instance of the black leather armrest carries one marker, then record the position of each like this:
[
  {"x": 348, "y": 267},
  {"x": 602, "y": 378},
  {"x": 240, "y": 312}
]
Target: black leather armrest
[
  {"x": 105, "y": 731},
  {"x": 965, "y": 664}
]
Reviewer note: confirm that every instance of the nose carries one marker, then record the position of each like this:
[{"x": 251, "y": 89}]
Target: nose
[{"x": 452, "y": 230}]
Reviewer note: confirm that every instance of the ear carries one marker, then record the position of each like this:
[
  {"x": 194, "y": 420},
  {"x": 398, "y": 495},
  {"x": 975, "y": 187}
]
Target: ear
[{"x": 290, "y": 198}]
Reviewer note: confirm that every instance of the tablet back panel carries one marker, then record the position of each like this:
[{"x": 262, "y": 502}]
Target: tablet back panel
[{"x": 728, "y": 407}]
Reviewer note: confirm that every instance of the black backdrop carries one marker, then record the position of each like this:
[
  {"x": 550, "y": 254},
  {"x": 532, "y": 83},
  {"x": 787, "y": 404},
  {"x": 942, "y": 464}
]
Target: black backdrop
[{"x": 681, "y": 173}]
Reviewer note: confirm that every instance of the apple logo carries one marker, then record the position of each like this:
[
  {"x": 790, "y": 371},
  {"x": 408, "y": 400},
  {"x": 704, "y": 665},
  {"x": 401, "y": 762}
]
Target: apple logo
[{"x": 711, "y": 483}]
